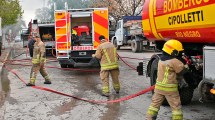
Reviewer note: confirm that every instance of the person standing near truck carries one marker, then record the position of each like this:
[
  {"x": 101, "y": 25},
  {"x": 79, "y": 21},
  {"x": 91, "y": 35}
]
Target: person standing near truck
[
  {"x": 169, "y": 66},
  {"x": 31, "y": 45},
  {"x": 106, "y": 52},
  {"x": 38, "y": 62}
]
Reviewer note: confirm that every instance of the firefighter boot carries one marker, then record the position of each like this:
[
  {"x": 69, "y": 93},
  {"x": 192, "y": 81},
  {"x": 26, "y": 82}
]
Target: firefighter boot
[
  {"x": 31, "y": 83},
  {"x": 47, "y": 80},
  {"x": 116, "y": 88},
  {"x": 105, "y": 94},
  {"x": 105, "y": 91}
]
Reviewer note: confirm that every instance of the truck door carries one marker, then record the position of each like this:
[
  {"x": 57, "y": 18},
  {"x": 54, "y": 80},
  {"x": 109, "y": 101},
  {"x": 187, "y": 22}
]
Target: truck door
[
  {"x": 119, "y": 32},
  {"x": 100, "y": 25}
]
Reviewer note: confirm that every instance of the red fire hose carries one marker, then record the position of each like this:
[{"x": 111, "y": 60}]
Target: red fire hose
[
  {"x": 127, "y": 63},
  {"x": 86, "y": 100}
]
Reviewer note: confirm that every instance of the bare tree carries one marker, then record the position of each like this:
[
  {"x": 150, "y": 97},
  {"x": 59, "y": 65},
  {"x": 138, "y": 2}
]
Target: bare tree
[
  {"x": 72, "y": 4},
  {"x": 119, "y": 8}
]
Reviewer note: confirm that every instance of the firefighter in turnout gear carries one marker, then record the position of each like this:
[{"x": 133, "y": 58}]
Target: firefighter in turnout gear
[
  {"x": 106, "y": 52},
  {"x": 169, "y": 66},
  {"x": 38, "y": 62}
]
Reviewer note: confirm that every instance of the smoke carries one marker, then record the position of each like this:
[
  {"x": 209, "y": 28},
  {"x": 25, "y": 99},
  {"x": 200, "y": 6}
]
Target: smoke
[{"x": 15, "y": 29}]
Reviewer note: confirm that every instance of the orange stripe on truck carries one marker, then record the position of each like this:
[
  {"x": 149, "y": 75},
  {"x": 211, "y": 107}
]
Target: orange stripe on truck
[
  {"x": 61, "y": 31},
  {"x": 60, "y": 23},
  {"x": 60, "y": 15},
  {"x": 100, "y": 20},
  {"x": 100, "y": 23},
  {"x": 101, "y": 30},
  {"x": 61, "y": 38}
]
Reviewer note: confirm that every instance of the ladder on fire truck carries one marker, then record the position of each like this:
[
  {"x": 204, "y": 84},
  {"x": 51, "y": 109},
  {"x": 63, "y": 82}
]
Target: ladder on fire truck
[{"x": 62, "y": 33}]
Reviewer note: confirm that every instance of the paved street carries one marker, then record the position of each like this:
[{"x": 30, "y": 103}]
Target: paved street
[{"x": 27, "y": 103}]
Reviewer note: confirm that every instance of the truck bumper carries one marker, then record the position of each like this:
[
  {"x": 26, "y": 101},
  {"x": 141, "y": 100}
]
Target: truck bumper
[
  {"x": 80, "y": 62},
  {"x": 80, "y": 59}
]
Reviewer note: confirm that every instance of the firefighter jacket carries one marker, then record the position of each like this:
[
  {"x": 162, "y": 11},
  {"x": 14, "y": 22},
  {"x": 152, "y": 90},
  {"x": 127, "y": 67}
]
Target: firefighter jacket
[
  {"x": 39, "y": 53},
  {"x": 166, "y": 76},
  {"x": 106, "y": 52}
]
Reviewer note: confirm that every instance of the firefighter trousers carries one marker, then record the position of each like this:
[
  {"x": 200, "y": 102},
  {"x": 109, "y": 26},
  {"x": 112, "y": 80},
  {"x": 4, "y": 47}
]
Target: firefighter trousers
[
  {"x": 174, "y": 102},
  {"x": 104, "y": 74},
  {"x": 34, "y": 71}
]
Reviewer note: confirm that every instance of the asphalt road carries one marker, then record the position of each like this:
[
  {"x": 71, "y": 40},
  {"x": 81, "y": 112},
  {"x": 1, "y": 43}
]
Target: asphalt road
[{"x": 27, "y": 103}]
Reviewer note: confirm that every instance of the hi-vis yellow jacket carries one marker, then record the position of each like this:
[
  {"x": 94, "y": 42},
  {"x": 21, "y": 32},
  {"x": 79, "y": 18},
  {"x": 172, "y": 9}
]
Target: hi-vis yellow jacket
[
  {"x": 107, "y": 53},
  {"x": 39, "y": 53},
  {"x": 166, "y": 76}
]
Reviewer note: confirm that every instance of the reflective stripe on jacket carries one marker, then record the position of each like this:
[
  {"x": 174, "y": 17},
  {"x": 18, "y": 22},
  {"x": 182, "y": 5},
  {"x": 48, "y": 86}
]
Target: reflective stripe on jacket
[
  {"x": 39, "y": 53},
  {"x": 167, "y": 71},
  {"x": 107, "y": 53}
]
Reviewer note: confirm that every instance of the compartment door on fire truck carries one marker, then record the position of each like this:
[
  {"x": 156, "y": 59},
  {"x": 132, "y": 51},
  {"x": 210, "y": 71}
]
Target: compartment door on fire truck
[
  {"x": 62, "y": 34},
  {"x": 100, "y": 25}
]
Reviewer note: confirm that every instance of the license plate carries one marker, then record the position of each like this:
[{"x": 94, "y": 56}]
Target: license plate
[{"x": 82, "y": 53}]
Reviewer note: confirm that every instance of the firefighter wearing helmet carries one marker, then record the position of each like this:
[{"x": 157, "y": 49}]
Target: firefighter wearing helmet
[
  {"x": 38, "y": 61},
  {"x": 166, "y": 87},
  {"x": 106, "y": 52}
]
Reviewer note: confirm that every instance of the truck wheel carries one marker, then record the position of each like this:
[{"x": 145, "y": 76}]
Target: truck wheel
[
  {"x": 116, "y": 45},
  {"x": 153, "y": 73},
  {"x": 141, "y": 46},
  {"x": 186, "y": 95},
  {"x": 63, "y": 65},
  {"x": 70, "y": 66},
  {"x": 135, "y": 46}
]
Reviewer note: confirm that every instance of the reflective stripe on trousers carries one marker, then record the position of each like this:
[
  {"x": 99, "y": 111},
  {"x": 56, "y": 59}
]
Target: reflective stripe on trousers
[
  {"x": 116, "y": 87},
  {"x": 38, "y": 68},
  {"x": 32, "y": 80},
  {"x": 104, "y": 74},
  {"x": 152, "y": 111},
  {"x": 177, "y": 115},
  {"x": 105, "y": 89}
]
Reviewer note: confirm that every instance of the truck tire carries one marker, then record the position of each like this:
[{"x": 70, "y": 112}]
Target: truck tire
[
  {"x": 116, "y": 45},
  {"x": 135, "y": 46},
  {"x": 153, "y": 73},
  {"x": 186, "y": 94},
  {"x": 70, "y": 66},
  {"x": 141, "y": 46},
  {"x": 63, "y": 65}
]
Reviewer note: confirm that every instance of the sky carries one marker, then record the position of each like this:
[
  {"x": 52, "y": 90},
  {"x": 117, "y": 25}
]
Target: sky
[{"x": 29, "y": 7}]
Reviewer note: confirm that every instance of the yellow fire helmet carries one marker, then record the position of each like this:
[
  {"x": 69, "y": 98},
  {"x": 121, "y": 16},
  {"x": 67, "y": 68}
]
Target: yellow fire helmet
[{"x": 173, "y": 47}]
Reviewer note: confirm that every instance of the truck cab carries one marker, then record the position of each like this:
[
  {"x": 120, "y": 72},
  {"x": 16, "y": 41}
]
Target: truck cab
[
  {"x": 119, "y": 34},
  {"x": 129, "y": 33}
]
